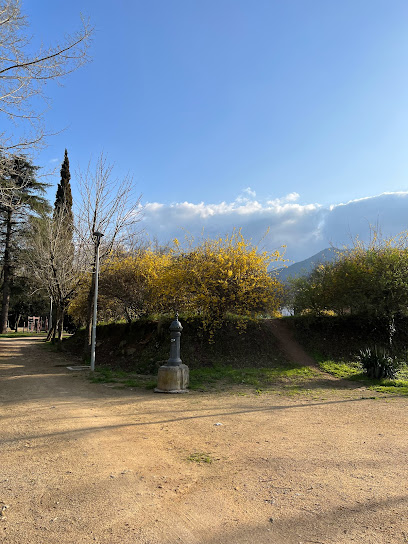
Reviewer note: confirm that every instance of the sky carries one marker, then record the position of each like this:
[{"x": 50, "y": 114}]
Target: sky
[{"x": 255, "y": 114}]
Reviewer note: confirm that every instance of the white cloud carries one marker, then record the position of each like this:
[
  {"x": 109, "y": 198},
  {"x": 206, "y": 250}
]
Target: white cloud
[
  {"x": 401, "y": 194},
  {"x": 303, "y": 228},
  {"x": 249, "y": 192},
  {"x": 387, "y": 212},
  {"x": 291, "y": 197}
]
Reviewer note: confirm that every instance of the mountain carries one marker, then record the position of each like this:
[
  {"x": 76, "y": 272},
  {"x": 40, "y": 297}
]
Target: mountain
[{"x": 303, "y": 268}]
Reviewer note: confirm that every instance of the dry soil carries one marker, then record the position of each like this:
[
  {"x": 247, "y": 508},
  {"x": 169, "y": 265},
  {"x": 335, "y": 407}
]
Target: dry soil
[{"x": 85, "y": 463}]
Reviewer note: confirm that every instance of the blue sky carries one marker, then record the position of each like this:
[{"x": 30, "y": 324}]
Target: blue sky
[{"x": 219, "y": 108}]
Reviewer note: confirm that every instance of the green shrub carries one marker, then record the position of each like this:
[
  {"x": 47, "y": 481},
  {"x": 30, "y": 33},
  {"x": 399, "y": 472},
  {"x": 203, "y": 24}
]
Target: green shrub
[{"x": 378, "y": 365}]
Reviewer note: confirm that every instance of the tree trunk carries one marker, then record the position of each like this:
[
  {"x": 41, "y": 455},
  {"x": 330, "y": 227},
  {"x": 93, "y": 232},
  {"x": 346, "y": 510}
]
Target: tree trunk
[
  {"x": 128, "y": 316},
  {"x": 17, "y": 322},
  {"x": 7, "y": 276},
  {"x": 51, "y": 333},
  {"x": 54, "y": 329},
  {"x": 60, "y": 327}
]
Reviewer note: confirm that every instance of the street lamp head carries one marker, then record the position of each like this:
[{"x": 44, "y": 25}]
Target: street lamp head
[{"x": 97, "y": 235}]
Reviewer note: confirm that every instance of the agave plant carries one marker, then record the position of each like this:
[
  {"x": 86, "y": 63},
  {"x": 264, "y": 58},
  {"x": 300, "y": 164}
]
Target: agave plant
[{"x": 378, "y": 364}]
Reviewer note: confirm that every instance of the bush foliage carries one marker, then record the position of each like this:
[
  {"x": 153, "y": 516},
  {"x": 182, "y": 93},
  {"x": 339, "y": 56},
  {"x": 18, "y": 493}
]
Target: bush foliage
[
  {"x": 210, "y": 279},
  {"x": 379, "y": 364},
  {"x": 369, "y": 280}
]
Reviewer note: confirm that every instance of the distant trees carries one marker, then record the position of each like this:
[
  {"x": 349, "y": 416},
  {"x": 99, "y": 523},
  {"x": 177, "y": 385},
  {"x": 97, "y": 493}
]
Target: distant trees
[
  {"x": 23, "y": 201},
  {"x": 369, "y": 280},
  {"x": 60, "y": 246},
  {"x": 55, "y": 261},
  {"x": 23, "y": 77}
]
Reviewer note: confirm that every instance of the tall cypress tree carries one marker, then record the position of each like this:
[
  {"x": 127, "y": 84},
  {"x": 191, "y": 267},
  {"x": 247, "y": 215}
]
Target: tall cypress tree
[
  {"x": 64, "y": 229},
  {"x": 63, "y": 199}
]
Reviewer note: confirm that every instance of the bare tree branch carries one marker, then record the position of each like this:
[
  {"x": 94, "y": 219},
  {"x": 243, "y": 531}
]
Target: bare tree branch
[
  {"x": 108, "y": 205},
  {"x": 56, "y": 261},
  {"x": 23, "y": 76}
]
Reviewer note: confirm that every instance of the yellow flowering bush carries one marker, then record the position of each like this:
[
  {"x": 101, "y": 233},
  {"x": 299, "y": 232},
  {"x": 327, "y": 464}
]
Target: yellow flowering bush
[
  {"x": 209, "y": 279},
  {"x": 225, "y": 275}
]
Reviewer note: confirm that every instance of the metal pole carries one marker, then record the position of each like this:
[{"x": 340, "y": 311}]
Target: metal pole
[
  {"x": 98, "y": 236},
  {"x": 50, "y": 323}
]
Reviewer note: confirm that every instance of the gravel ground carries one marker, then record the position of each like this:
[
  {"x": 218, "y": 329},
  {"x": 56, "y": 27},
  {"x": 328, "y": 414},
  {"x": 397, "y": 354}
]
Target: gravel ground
[{"x": 85, "y": 463}]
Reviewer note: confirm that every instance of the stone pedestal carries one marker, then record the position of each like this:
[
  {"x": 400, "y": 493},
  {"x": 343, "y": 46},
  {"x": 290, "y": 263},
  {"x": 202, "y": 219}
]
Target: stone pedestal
[{"x": 172, "y": 379}]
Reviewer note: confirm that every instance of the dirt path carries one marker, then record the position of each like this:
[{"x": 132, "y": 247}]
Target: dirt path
[{"x": 84, "y": 463}]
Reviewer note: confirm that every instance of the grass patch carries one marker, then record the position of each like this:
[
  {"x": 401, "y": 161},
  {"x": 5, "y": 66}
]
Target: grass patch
[
  {"x": 23, "y": 335},
  {"x": 340, "y": 369},
  {"x": 200, "y": 457},
  {"x": 204, "y": 379},
  {"x": 122, "y": 378},
  {"x": 105, "y": 375},
  {"x": 351, "y": 370},
  {"x": 218, "y": 377},
  {"x": 397, "y": 387},
  {"x": 145, "y": 382},
  {"x": 289, "y": 380}
]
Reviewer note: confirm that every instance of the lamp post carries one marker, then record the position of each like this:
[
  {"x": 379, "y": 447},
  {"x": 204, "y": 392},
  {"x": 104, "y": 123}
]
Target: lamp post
[
  {"x": 97, "y": 237},
  {"x": 50, "y": 322}
]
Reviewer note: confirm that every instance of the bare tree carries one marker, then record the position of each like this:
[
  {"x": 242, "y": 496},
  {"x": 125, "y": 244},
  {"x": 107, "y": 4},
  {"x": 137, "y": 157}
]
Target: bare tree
[
  {"x": 108, "y": 205},
  {"x": 23, "y": 77},
  {"x": 59, "y": 259},
  {"x": 56, "y": 262}
]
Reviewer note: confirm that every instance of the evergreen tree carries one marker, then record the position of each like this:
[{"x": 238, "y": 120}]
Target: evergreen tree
[
  {"x": 23, "y": 201},
  {"x": 61, "y": 250},
  {"x": 63, "y": 199}
]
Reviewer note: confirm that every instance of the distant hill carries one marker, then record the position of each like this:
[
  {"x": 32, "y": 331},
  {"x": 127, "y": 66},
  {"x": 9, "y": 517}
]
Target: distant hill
[{"x": 303, "y": 268}]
